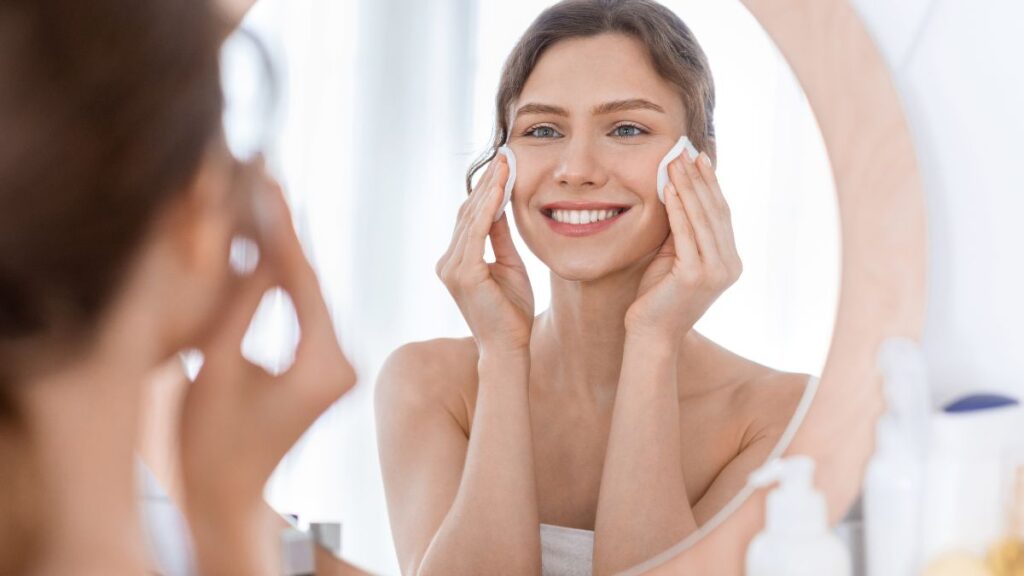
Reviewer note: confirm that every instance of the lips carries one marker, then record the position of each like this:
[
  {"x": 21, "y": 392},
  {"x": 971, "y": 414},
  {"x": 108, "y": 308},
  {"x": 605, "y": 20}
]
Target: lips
[{"x": 582, "y": 218}]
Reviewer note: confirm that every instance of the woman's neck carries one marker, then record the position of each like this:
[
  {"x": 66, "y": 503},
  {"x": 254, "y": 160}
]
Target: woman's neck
[
  {"x": 580, "y": 339},
  {"x": 83, "y": 422}
]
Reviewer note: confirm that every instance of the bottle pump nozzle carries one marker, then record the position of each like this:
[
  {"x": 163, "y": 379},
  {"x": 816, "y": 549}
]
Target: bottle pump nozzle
[{"x": 795, "y": 506}]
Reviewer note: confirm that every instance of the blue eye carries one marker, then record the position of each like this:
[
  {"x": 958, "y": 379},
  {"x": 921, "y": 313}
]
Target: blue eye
[
  {"x": 543, "y": 132},
  {"x": 628, "y": 131}
]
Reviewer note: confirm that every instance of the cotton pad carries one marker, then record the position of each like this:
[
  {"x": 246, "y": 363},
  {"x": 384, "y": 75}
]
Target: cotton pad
[
  {"x": 683, "y": 144},
  {"x": 511, "y": 179}
]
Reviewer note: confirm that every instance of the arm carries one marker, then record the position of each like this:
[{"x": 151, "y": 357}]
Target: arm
[
  {"x": 459, "y": 505},
  {"x": 697, "y": 262},
  {"x": 643, "y": 507},
  {"x": 466, "y": 503}
]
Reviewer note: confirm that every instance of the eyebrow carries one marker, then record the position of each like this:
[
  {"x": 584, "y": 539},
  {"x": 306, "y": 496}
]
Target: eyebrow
[
  {"x": 626, "y": 105},
  {"x": 600, "y": 109},
  {"x": 541, "y": 109}
]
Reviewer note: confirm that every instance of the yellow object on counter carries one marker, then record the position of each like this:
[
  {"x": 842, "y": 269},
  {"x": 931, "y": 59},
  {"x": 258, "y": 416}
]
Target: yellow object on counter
[
  {"x": 957, "y": 564},
  {"x": 1007, "y": 558}
]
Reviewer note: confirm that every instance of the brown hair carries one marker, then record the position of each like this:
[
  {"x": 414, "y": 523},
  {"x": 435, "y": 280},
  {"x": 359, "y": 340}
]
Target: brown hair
[
  {"x": 673, "y": 49},
  {"x": 106, "y": 110}
]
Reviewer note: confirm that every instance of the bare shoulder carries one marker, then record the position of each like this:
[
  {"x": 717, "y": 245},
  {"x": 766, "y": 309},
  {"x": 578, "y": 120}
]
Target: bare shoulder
[
  {"x": 770, "y": 398},
  {"x": 428, "y": 375},
  {"x": 762, "y": 399}
]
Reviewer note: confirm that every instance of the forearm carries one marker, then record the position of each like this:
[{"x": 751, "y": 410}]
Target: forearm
[
  {"x": 493, "y": 526},
  {"x": 643, "y": 507}
]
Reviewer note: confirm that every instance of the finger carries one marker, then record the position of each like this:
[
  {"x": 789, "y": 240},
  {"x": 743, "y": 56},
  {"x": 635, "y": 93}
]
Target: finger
[
  {"x": 476, "y": 234},
  {"x": 292, "y": 271},
  {"x": 505, "y": 252},
  {"x": 442, "y": 262},
  {"x": 470, "y": 207},
  {"x": 707, "y": 173},
  {"x": 500, "y": 178},
  {"x": 726, "y": 240},
  {"x": 457, "y": 249},
  {"x": 696, "y": 215},
  {"x": 717, "y": 220},
  {"x": 475, "y": 228},
  {"x": 486, "y": 179},
  {"x": 682, "y": 234}
]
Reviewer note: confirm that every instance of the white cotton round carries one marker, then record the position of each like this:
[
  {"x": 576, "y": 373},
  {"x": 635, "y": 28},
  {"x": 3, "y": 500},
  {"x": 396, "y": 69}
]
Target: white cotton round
[
  {"x": 683, "y": 144},
  {"x": 507, "y": 152}
]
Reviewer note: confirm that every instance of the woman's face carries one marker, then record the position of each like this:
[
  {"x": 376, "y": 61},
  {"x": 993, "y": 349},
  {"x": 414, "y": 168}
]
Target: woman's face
[{"x": 589, "y": 130}]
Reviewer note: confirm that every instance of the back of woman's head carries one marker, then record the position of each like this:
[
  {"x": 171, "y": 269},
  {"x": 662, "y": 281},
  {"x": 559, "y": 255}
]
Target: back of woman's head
[{"x": 106, "y": 110}]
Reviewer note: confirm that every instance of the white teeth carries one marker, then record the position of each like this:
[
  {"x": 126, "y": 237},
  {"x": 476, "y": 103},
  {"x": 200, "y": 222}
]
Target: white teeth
[{"x": 583, "y": 216}]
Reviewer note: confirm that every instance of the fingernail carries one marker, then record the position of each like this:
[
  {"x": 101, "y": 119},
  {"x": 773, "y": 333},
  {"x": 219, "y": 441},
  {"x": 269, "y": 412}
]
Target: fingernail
[{"x": 705, "y": 159}]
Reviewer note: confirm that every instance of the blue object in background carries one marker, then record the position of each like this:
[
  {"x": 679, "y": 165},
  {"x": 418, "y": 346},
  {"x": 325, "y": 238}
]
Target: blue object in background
[{"x": 975, "y": 402}]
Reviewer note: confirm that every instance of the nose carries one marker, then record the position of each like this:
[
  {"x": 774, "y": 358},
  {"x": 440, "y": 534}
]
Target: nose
[{"x": 579, "y": 167}]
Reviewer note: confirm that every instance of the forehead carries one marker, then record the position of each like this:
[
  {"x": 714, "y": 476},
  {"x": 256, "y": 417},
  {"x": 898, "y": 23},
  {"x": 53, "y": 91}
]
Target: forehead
[{"x": 580, "y": 73}]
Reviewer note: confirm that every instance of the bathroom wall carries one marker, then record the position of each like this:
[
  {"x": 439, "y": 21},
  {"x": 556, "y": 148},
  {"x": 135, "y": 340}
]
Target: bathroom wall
[{"x": 957, "y": 65}]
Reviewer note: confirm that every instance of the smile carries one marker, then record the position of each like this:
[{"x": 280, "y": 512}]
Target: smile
[{"x": 582, "y": 220}]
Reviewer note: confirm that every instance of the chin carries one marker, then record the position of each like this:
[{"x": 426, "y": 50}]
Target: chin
[{"x": 585, "y": 268}]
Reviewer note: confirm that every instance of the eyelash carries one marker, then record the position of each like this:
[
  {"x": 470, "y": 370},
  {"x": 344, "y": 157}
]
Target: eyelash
[
  {"x": 532, "y": 131},
  {"x": 639, "y": 129}
]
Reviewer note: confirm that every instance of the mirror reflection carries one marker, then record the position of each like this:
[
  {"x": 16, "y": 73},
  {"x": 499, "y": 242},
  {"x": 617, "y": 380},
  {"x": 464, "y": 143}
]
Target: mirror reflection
[{"x": 623, "y": 357}]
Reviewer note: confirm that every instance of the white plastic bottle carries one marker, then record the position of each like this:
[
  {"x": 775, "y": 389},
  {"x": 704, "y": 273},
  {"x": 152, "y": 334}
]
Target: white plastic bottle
[
  {"x": 796, "y": 540},
  {"x": 894, "y": 480}
]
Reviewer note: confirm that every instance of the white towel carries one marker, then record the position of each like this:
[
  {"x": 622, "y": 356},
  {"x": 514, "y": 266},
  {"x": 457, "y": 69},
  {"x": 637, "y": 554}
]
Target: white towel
[{"x": 566, "y": 551}]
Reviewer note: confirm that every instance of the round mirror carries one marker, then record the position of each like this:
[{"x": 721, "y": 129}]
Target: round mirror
[{"x": 383, "y": 111}]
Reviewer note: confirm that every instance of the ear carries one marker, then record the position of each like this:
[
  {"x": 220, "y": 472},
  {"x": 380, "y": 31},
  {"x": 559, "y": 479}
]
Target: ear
[{"x": 201, "y": 221}]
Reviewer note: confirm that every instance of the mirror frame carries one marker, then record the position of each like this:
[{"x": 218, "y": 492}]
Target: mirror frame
[{"x": 883, "y": 285}]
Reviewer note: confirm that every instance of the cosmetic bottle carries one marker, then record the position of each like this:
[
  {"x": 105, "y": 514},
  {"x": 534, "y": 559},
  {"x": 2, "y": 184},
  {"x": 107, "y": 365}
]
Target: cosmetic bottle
[
  {"x": 796, "y": 540},
  {"x": 893, "y": 482}
]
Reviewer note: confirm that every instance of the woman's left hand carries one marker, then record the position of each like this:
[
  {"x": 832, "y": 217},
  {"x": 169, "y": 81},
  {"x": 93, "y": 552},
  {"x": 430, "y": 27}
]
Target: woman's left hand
[{"x": 698, "y": 260}]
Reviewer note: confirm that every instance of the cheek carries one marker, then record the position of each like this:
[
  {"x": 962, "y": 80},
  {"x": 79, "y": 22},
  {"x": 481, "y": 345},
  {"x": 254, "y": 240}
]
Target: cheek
[
  {"x": 533, "y": 167},
  {"x": 636, "y": 168}
]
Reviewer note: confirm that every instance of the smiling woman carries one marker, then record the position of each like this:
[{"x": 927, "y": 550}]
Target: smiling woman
[{"x": 532, "y": 437}]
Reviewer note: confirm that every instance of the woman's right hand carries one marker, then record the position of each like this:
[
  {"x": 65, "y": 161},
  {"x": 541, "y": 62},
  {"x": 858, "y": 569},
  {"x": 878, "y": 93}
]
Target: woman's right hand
[
  {"x": 237, "y": 420},
  {"x": 495, "y": 298}
]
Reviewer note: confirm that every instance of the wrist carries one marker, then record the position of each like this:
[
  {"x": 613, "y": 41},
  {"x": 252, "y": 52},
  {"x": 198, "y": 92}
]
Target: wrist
[
  {"x": 491, "y": 354},
  {"x": 653, "y": 342},
  {"x": 503, "y": 366},
  {"x": 233, "y": 541}
]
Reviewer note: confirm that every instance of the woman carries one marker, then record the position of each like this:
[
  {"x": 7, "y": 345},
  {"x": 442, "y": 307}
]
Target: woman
[
  {"x": 118, "y": 203},
  {"x": 608, "y": 412}
]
